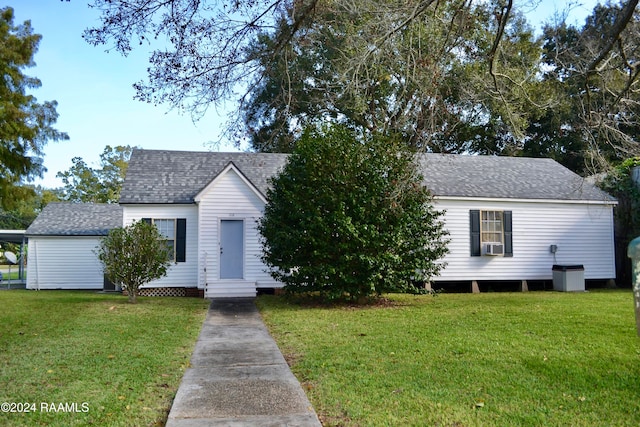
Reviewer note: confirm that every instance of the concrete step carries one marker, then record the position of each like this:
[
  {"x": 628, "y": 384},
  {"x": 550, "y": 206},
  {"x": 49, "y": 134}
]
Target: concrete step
[{"x": 230, "y": 289}]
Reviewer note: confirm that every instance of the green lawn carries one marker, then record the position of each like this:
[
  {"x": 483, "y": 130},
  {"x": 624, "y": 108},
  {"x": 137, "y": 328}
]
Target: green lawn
[
  {"x": 494, "y": 359},
  {"x": 83, "y": 358}
]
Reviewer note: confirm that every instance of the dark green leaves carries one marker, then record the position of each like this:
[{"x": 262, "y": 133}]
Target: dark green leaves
[
  {"x": 83, "y": 183},
  {"x": 25, "y": 125},
  {"x": 348, "y": 217}
]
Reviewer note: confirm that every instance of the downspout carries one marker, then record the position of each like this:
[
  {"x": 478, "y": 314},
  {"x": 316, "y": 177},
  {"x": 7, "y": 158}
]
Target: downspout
[
  {"x": 206, "y": 284},
  {"x": 22, "y": 260},
  {"x": 35, "y": 249}
]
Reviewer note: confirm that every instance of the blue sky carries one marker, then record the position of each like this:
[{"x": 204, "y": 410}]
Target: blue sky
[{"x": 95, "y": 95}]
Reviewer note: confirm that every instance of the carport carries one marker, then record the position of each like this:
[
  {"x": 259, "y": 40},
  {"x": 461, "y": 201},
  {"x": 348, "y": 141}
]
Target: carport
[{"x": 17, "y": 237}]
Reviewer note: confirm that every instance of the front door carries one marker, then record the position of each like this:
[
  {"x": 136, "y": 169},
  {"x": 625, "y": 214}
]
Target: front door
[{"x": 231, "y": 249}]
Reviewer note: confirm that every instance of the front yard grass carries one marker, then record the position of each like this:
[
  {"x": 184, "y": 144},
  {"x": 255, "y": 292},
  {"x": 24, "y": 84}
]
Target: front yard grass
[
  {"x": 527, "y": 359},
  {"x": 84, "y": 358}
]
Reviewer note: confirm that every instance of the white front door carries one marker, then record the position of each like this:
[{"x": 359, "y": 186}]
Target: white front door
[{"x": 231, "y": 249}]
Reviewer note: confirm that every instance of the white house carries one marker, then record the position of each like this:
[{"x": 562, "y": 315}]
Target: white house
[
  {"x": 532, "y": 213},
  {"x": 62, "y": 240},
  {"x": 509, "y": 218},
  {"x": 209, "y": 203}
]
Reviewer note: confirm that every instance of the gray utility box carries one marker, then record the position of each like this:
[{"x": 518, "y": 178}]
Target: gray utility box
[{"x": 568, "y": 278}]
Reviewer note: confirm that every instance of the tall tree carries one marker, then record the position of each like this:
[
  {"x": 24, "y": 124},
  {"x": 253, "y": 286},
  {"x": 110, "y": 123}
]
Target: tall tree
[
  {"x": 384, "y": 65},
  {"x": 621, "y": 184},
  {"x": 595, "y": 120},
  {"x": 83, "y": 183},
  {"x": 451, "y": 75},
  {"x": 207, "y": 41},
  {"x": 25, "y": 125},
  {"x": 27, "y": 202},
  {"x": 428, "y": 79}
]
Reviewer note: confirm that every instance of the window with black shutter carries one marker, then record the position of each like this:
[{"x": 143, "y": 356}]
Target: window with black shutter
[
  {"x": 491, "y": 232},
  {"x": 174, "y": 232}
]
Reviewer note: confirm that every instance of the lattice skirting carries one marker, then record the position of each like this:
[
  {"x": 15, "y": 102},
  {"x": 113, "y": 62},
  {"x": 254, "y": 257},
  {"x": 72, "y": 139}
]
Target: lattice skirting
[{"x": 170, "y": 292}]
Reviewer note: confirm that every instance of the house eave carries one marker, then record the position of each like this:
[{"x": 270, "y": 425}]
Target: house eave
[
  {"x": 79, "y": 234},
  {"x": 546, "y": 201},
  {"x": 170, "y": 203}
]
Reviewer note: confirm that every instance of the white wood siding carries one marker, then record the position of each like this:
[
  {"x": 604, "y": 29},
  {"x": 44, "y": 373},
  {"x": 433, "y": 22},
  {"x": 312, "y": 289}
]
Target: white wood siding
[
  {"x": 583, "y": 233},
  {"x": 230, "y": 198},
  {"x": 181, "y": 274},
  {"x": 63, "y": 263}
]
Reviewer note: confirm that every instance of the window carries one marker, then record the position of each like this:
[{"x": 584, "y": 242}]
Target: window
[
  {"x": 174, "y": 231},
  {"x": 167, "y": 227},
  {"x": 491, "y": 227}
]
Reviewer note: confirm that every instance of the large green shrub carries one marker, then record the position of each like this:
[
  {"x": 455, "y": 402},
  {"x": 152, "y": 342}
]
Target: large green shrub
[
  {"x": 134, "y": 255},
  {"x": 349, "y": 217},
  {"x": 620, "y": 184}
]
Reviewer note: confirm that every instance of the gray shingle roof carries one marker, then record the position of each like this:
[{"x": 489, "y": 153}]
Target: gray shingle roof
[
  {"x": 76, "y": 219},
  {"x": 505, "y": 177},
  {"x": 156, "y": 176}
]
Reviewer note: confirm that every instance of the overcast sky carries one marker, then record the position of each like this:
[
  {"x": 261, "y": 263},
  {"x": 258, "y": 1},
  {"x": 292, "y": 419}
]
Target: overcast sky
[{"x": 95, "y": 95}]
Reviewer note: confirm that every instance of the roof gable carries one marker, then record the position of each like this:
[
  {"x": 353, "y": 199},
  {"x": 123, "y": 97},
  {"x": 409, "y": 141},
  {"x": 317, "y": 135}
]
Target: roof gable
[
  {"x": 161, "y": 177},
  {"x": 217, "y": 178},
  {"x": 76, "y": 219},
  {"x": 164, "y": 177}
]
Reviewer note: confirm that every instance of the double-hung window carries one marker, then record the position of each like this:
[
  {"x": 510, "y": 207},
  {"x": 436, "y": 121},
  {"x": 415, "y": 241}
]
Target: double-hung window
[
  {"x": 167, "y": 227},
  {"x": 174, "y": 231},
  {"x": 491, "y": 232},
  {"x": 491, "y": 227}
]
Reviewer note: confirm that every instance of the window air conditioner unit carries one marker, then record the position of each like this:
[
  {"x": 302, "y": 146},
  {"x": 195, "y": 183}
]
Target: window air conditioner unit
[{"x": 494, "y": 249}]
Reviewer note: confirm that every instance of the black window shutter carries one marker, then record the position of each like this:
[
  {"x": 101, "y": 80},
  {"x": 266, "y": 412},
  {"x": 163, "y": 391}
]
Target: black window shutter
[
  {"x": 474, "y": 217},
  {"x": 181, "y": 240},
  {"x": 147, "y": 220},
  {"x": 508, "y": 234}
]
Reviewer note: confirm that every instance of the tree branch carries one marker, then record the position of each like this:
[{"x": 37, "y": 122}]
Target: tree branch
[{"x": 623, "y": 19}]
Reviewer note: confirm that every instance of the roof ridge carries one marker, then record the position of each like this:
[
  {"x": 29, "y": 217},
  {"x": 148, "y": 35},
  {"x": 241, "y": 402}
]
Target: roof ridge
[
  {"x": 157, "y": 150},
  {"x": 174, "y": 176}
]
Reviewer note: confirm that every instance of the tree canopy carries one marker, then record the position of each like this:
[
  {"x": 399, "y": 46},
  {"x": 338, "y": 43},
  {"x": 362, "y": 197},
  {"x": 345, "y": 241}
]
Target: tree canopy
[
  {"x": 363, "y": 223},
  {"x": 426, "y": 78},
  {"x": 25, "y": 125},
  {"x": 621, "y": 183},
  {"x": 27, "y": 202},
  {"x": 83, "y": 183},
  {"x": 594, "y": 119},
  {"x": 449, "y": 76}
]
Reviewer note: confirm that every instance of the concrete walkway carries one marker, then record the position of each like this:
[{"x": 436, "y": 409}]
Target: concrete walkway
[{"x": 238, "y": 376}]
